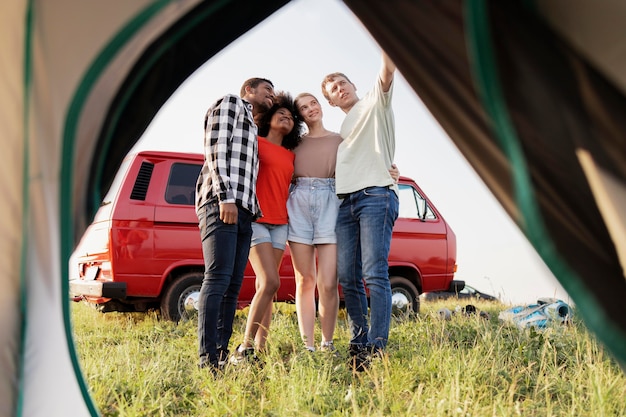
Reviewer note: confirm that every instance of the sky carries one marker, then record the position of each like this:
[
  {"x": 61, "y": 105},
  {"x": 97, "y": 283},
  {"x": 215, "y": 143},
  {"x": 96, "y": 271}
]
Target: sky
[{"x": 295, "y": 48}]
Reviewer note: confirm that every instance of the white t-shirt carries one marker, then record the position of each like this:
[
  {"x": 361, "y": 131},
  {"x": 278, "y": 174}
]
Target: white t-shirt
[{"x": 367, "y": 151}]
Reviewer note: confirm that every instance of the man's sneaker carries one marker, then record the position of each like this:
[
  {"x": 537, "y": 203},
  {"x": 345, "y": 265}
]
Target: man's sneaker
[
  {"x": 212, "y": 366},
  {"x": 360, "y": 358},
  {"x": 376, "y": 352},
  {"x": 222, "y": 358},
  {"x": 242, "y": 355}
]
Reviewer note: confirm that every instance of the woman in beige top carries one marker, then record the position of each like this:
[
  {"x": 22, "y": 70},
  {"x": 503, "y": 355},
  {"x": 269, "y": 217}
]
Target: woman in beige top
[{"x": 313, "y": 206}]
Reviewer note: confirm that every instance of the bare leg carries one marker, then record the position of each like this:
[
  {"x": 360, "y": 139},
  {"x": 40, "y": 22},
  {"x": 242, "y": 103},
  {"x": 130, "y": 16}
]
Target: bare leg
[
  {"x": 263, "y": 258},
  {"x": 327, "y": 289},
  {"x": 303, "y": 259},
  {"x": 261, "y": 334}
]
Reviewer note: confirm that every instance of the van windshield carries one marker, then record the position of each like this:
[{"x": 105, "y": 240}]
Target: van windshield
[{"x": 413, "y": 205}]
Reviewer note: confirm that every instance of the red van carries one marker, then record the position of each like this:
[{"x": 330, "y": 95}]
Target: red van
[{"x": 143, "y": 247}]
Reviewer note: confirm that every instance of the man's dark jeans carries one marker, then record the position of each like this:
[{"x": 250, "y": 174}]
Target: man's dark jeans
[
  {"x": 225, "y": 248},
  {"x": 364, "y": 229}
]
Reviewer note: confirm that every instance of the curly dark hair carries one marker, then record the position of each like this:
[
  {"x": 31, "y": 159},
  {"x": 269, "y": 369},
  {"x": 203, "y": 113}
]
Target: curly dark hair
[{"x": 283, "y": 100}]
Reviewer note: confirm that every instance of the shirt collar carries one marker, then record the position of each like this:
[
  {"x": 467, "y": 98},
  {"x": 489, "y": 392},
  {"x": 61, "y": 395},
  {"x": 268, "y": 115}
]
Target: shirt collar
[{"x": 248, "y": 105}]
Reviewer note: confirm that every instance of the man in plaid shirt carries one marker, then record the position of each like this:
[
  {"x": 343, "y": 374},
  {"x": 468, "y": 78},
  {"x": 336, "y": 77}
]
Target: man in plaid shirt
[{"x": 226, "y": 205}]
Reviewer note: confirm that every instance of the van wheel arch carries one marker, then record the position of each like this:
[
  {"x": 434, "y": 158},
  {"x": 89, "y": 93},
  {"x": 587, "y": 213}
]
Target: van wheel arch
[
  {"x": 405, "y": 295},
  {"x": 180, "y": 299}
]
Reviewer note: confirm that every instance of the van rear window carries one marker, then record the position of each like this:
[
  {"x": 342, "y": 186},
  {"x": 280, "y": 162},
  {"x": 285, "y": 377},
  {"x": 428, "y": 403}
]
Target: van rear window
[{"x": 181, "y": 184}]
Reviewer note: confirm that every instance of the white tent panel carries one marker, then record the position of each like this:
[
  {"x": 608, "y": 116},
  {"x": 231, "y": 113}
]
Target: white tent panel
[
  {"x": 11, "y": 209},
  {"x": 50, "y": 49}
]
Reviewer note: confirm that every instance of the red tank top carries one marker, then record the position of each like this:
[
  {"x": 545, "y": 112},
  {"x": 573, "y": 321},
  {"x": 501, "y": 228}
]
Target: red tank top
[{"x": 272, "y": 186}]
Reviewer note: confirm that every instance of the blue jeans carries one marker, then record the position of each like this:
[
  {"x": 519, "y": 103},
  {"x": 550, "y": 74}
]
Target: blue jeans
[
  {"x": 225, "y": 248},
  {"x": 364, "y": 228}
]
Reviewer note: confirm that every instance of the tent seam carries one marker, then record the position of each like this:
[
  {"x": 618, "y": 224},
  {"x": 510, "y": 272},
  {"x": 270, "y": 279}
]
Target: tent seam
[{"x": 23, "y": 294}]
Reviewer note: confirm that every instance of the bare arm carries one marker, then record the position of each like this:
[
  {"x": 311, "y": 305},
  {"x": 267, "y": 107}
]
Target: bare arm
[{"x": 386, "y": 72}]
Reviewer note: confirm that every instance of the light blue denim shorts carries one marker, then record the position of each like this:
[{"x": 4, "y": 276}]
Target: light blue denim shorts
[
  {"x": 313, "y": 207},
  {"x": 276, "y": 234}
]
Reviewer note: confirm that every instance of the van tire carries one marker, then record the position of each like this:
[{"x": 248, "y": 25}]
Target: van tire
[
  {"x": 405, "y": 296},
  {"x": 183, "y": 290}
]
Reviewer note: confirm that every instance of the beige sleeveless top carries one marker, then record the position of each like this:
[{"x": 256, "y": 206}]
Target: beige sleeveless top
[{"x": 316, "y": 157}]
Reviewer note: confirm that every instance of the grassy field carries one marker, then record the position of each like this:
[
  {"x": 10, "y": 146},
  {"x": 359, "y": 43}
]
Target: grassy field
[{"x": 138, "y": 365}]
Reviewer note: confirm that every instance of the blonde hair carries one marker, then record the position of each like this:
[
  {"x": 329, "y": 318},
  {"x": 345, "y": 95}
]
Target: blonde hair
[{"x": 301, "y": 96}]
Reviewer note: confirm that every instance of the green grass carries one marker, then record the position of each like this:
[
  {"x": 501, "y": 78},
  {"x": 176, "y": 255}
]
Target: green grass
[{"x": 139, "y": 365}]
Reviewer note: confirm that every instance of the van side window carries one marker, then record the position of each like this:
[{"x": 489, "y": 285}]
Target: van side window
[
  {"x": 413, "y": 205},
  {"x": 181, "y": 184}
]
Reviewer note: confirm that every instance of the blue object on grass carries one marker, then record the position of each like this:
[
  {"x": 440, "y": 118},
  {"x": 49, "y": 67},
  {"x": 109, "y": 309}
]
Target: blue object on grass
[{"x": 546, "y": 312}]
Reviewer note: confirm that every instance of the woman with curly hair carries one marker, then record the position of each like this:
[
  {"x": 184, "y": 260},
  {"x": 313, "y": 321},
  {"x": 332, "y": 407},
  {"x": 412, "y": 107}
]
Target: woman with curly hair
[{"x": 279, "y": 133}]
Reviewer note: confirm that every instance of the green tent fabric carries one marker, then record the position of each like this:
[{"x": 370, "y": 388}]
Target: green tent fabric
[
  {"x": 80, "y": 82},
  {"x": 531, "y": 93},
  {"x": 538, "y": 112}
]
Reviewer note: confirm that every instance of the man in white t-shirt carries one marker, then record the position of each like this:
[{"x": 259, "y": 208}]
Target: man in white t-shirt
[{"x": 369, "y": 208}]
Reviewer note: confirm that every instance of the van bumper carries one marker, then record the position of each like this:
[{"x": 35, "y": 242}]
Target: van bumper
[{"x": 98, "y": 289}]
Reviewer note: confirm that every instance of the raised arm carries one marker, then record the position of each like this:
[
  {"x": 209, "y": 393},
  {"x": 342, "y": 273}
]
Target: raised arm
[{"x": 386, "y": 72}]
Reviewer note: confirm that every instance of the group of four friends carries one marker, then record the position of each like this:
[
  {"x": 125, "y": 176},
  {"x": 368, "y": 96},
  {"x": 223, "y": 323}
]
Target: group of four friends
[{"x": 264, "y": 184}]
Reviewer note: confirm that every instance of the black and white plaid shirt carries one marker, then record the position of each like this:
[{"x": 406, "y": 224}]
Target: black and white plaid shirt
[{"x": 231, "y": 161}]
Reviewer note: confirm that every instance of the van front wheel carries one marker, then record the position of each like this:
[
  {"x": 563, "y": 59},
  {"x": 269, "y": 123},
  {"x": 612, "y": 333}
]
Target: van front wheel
[
  {"x": 180, "y": 300},
  {"x": 404, "y": 296}
]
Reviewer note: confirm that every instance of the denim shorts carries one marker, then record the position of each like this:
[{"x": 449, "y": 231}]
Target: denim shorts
[
  {"x": 276, "y": 234},
  {"x": 313, "y": 207}
]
